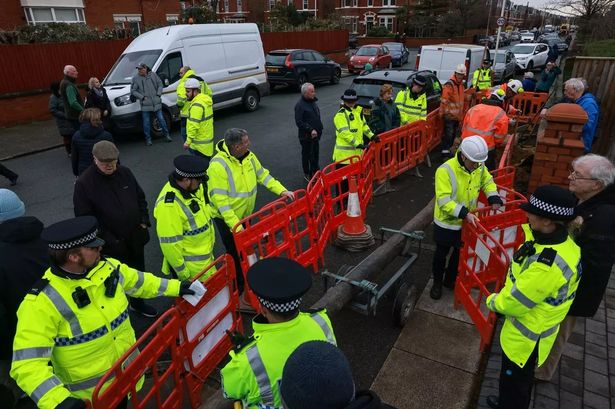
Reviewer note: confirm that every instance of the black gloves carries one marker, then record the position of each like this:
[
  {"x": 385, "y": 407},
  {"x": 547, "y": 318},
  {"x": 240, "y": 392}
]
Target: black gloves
[
  {"x": 184, "y": 288},
  {"x": 376, "y": 139},
  {"x": 361, "y": 146},
  {"x": 71, "y": 403}
]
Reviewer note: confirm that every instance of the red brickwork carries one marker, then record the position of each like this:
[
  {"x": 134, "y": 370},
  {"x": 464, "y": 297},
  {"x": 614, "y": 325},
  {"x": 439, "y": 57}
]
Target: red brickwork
[
  {"x": 557, "y": 145},
  {"x": 11, "y": 14},
  {"x": 99, "y": 13}
]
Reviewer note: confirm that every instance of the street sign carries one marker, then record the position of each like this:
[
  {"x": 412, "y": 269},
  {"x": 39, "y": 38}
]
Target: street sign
[{"x": 501, "y": 21}]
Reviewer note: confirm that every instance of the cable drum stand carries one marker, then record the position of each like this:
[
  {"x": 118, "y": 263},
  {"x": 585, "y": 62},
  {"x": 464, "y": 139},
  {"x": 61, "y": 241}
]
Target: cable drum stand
[{"x": 370, "y": 293}]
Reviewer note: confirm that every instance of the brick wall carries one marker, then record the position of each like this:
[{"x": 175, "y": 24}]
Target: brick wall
[
  {"x": 12, "y": 15},
  {"x": 22, "y": 110},
  {"x": 558, "y": 143},
  {"x": 153, "y": 12}
]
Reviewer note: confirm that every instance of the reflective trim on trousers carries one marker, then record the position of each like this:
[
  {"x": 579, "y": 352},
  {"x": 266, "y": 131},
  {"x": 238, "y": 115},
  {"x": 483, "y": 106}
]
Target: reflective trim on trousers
[
  {"x": 31, "y": 353},
  {"x": 262, "y": 378},
  {"x": 528, "y": 333},
  {"x": 67, "y": 313}
]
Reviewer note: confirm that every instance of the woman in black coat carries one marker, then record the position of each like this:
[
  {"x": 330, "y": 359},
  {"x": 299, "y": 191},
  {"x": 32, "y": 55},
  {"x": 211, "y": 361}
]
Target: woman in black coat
[
  {"x": 385, "y": 114},
  {"x": 97, "y": 98},
  {"x": 90, "y": 132},
  {"x": 56, "y": 109}
]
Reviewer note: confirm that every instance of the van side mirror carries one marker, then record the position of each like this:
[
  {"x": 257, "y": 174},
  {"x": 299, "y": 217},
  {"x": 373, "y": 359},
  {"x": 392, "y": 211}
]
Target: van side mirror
[{"x": 166, "y": 82}]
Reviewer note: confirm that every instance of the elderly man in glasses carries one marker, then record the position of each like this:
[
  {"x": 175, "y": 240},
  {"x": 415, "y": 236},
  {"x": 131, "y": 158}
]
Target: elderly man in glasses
[{"x": 592, "y": 180}]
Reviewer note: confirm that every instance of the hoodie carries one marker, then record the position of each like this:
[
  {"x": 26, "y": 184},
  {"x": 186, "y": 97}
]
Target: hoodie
[
  {"x": 23, "y": 260},
  {"x": 83, "y": 141}
]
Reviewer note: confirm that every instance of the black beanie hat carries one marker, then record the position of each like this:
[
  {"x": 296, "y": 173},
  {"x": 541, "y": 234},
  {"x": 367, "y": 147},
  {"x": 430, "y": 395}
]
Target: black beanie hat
[{"x": 317, "y": 375}]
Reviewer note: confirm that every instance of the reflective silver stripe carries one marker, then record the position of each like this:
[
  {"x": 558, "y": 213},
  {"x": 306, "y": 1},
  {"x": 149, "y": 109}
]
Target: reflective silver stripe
[
  {"x": 140, "y": 281},
  {"x": 164, "y": 284},
  {"x": 45, "y": 387},
  {"x": 196, "y": 104},
  {"x": 492, "y": 303},
  {"x": 562, "y": 293},
  {"x": 83, "y": 385},
  {"x": 444, "y": 200},
  {"x": 478, "y": 131},
  {"x": 345, "y": 148},
  {"x": 324, "y": 327},
  {"x": 195, "y": 120},
  {"x": 453, "y": 179},
  {"x": 491, "y": 194},
  {"x": 172, "y": 239},
  {"x": 267, "y": 179},
  {"x": 447, "y": 225},
  {"x": 343, "y": 128},
  {"x": 208, "y": 117},
  {"x": 232, "y": 189},
  {"x": 522, "y": 298},
  {"x": 262, "y": 378},
  {"x": 187, "y": 212},
  {"x": 31, "y": 353},
  {"x": 63, "y": 309},
  {"x": 198, "y": 258},
  {"x": 224, "y": 208},
  {"x": 203, "y": 142},
  {"x": 528, "y": 333},
  {"x": 258, "y": 171},
  {"x": 232, "y": 194},
  {"x": 182, "y": 267},
  {"x": 457, "y": 209}
]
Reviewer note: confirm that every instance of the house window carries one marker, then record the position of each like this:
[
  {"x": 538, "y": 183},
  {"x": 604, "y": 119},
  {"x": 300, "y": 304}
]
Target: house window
[
  {"x": 227, "y": 7},
  {"x": 173, "y": 19},
  {"x": 239, "y": 5},
  {"x": 370, "y": 3},
  {"x": 43, "y": 15},
  {"x": 272, "y": 4},
  {"x": 386, "y": 3},
  {"x": 369, "y": 23},
  {"x": 306, "y": 4},
  {"x": 350, "y": 3},
  {"x": 387, "y": 22},
  {"x": 131, "y": 22}
]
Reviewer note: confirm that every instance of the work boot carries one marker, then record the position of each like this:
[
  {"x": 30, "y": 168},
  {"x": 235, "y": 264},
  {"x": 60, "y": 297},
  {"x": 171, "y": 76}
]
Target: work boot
[
  {"x": 436, "y": 290},
  {"x": 493, "y": 401},
  {"x": 148, "y": 142}
]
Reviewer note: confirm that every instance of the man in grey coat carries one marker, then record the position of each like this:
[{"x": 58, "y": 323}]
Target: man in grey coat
[{"x": 147, "y": 88}]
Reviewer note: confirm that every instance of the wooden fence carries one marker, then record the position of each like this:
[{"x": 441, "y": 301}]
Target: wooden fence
[{"x": 600, "y": 75}]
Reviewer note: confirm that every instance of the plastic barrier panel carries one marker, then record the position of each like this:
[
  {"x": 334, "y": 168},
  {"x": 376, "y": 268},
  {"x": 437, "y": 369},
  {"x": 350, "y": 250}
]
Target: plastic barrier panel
[
  {"x": 204, "y": 326},
  {"x": 412, "y": 147},
  {"x": 366, "y": 184},
  {"x": 336, "y": 184},
  {"x": 506, "y": 158},
  {"x": 386, "y": 155},
  {"x": 157, "y": 353},
  {"x": 302, "y": 233},
  {"x": 435, "y": 131},
  {"x": 504, "y": 176},
  {"x": 321, "y": 212},
  {"x": 530, "y": 104}
]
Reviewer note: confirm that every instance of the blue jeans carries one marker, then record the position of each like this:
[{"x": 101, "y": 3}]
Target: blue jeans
[
  {"x": 146, "y": 124},
  {"x": 183, "y": 124}
]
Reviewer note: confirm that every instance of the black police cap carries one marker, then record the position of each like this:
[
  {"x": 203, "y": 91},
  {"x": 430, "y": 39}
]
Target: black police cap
[
  {"x": 552, "y": 202},
  {"x": 73, "y": 233},
  {"x": 190, "y": 166},
  {"x": 279, "y": 283},
  {"x": 350, "y": 95}
]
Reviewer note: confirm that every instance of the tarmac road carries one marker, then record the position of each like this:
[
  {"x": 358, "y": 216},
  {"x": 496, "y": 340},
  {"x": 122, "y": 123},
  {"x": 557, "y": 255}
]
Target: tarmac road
[{"x": 46, "y": 186}]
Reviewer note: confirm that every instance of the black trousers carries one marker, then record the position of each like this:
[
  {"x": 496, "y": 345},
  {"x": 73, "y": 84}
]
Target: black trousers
[
  {"x": 491, "y": 160},
  {"x": 7, "y": 173},
  {"x": 134, "y": 256},
  {"x": 446, "y": 240},
  {"x": 516, "y": 383},
  {"x": 451, "y": 129},
  {"x": 309, "y": 155},
  {"x": 229, "y": 244}
]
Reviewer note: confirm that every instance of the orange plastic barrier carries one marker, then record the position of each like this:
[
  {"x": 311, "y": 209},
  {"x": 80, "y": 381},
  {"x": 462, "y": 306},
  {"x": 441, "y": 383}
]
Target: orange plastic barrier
[
  {"x": 435, "y": 126},
  {"x": 366, "y": 187},
  {"x": 506, "y": 158},
  {"x": 530, "y": 104},
  {"x": 321, "y": 212},
  {"x": 412, "y": 146},
  {"x": 385, "y": 156},
  {"x": 335, "y": 180},
  {"x": 182, "y": 347}
]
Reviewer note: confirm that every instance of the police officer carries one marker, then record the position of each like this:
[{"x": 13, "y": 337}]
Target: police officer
[
  {"x": 256, "y": 365},
  {"x": 73, "y": 325},
  {"x": 481, "y": 80},
  {"x": 184, "y": 220},
  {"x": 540, "y": 285},
  {"x": 200, "y": 123},
  {"x": 459, "y": 181},
  {"x": 233, "y": 176},
  {"x": 351, "y": 128},
  {"x": 412, "y": 102}
]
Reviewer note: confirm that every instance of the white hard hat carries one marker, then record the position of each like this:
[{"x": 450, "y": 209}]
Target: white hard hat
[
  {"x": 528, "y": 74},
  {"x": 515, "y": 86},
  {"x": 474, "y": 148},
  {"x": 461, "y": 69},
  {"x": 192, "y": 83}
]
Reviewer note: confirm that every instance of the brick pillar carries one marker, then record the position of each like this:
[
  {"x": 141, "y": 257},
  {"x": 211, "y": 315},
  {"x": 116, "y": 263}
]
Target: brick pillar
[{"x": 557, "y": 145}]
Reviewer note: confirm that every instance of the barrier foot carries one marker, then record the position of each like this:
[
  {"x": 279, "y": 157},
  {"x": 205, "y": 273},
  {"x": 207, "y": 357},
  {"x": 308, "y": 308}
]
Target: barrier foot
[
  {"x": 417, "y": 172},
  {"x": 428, "y": 160},
  {"x": 384, "y": 188}
]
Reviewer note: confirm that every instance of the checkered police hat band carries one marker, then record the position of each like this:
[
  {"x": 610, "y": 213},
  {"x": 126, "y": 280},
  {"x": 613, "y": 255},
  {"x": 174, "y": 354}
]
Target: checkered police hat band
[
  {"x": 551, "y": 209},
  {"x": 75, "y": 243},
  {"x": 286, "y": 307},
  {"x": 189, "y": 175}
]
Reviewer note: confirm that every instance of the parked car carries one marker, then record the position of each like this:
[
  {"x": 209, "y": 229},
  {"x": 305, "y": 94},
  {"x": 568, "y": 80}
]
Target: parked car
[
  {"x": 399, "y": 53},
  {"x": 505, "y": 65},
  {"x": 515, "y": 36},
  {"x": 368, "y": 86},
  {"x": 530, "y": 56},
  {"x": 298, "y": 66},
  {"x": 504, "y": 39},
  {"x": 558, "y": 42},
  {"x": 352, "y": 40},
  {"x": 527, "y": 37},
  {"x": 487, "y": 41},
  {"x": 376, "y": 54}
]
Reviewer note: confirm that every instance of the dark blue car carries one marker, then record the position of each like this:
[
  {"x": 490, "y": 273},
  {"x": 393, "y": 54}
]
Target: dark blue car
[{"x": 399, "y": 53}]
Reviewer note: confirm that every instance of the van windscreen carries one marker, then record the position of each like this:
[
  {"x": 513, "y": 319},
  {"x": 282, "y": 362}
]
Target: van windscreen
[{"x": 126, "y": 66}]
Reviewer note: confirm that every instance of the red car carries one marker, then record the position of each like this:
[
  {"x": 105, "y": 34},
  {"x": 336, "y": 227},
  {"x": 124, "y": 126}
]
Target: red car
[{"x": 376, "y": 54}]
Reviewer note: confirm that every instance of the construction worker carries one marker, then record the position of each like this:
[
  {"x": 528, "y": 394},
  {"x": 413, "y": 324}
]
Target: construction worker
[
  {"x": 351, "y": 128},
  {"x": 73, "y": 325},
  {"x": 184, "y": 220},
  {"x": 233, "y": 176},
  {"x": 451, "y": 108},
  {"x": 540, "y": 285},
  {"x": 200, "y": 124},
  {"x": 254, "y": 372},
  {"x": 459, "y": 181},
  {"x": 186, "y": 72},
  {"x": 489, "y": 121},
  {"x": 511, "y": 89},
  {"x": 412, "y": 102},
  {"x": 481, "y": 80}
]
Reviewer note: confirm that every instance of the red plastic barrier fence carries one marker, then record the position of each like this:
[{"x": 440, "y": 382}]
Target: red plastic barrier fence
[
  {"x": 321, "y": 212},
  {"x": 385, "y": 156},
  {"x": 507, "y": 154},
  {"x": 182, "y": 347},
  {"x": 366, "y": 187},
  {"x": 334, "y": 179},
  {"x": 435, "y": 126},
  {"x": 530, "y": 104},
  {"x": 412, "y": 146}
]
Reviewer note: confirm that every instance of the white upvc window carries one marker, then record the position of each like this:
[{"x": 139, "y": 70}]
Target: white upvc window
[
  {"x": 306, "y": 4},
  {"x": 272, "y": 4},
  {"x": 227, "y": 7},
  {"x": 387, "y": 21},
  {"x": 370, "y": 3},
  {"x": 173, "y": 19},
  {"x": 350, "y": 3},
  {"x": 44, "y": 15},
  {"x": 239, "y": 6},
  {"x": 388, "y": 3},
  {"x": 128, "y": 21}
]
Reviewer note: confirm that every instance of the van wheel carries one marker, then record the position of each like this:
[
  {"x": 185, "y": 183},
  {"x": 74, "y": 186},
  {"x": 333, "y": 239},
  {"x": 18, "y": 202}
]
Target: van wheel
[
  {"x": 337, "y": 74},
  {"x": 250, "y": 100},
  {"x": 156, "y": 129}
]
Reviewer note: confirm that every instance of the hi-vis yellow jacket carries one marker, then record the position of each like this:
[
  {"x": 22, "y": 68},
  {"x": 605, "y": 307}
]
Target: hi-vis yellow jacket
[
  {"x": 350, "y": 127},
  {"x": 182, "y": 100},
  {"x": 200, "y": 125},
  {"x": 81, "y": 344},
  {"x": 411, "y": 109}
]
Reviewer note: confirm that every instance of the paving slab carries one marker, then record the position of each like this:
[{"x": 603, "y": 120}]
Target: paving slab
[
  {"x": 410, "y": 381},
  {"x": 444, "y": 340},
  {"x": 29, "y": 138},
  {"x": 443, "y": 306}
]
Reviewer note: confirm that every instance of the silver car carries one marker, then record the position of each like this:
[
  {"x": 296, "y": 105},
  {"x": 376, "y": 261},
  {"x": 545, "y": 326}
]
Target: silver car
[{"x": 504, "y": 66}]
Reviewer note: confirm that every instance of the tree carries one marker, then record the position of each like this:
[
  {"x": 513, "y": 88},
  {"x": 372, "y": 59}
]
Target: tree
[
  {"x": 282, "y": 17},
  {"x": 426, "y": 15},
  {"x": 588, "y": 12},
  {"x": 401, "y": 15}
]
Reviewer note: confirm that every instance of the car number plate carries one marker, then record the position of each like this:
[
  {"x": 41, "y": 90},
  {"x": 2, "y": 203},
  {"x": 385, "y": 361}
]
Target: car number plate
[
  {"x": 272, "y": 69},
  {"x": 358, "y": 65}
]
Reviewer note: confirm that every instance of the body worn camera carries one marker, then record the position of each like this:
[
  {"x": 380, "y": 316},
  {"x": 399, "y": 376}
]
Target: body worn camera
[
  {"x": 527, "y": 249},
  {"x": 81, "y": 297},
  {"x": 111, "y": 283}
]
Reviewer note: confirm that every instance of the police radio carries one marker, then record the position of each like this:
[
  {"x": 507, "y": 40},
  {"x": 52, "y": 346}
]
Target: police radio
[
  {"x": 194, "y": 206},
  {"x": 526, "y": 249},
  {"x": 81, "y": 297},
  {"x": 111, "y": 283}
]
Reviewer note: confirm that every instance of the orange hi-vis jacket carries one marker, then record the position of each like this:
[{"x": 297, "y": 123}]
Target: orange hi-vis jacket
[
  {"x": 488, "y": 121},
  {"x": 508, "y": 107},
  {"x": 452, "y": 100}
]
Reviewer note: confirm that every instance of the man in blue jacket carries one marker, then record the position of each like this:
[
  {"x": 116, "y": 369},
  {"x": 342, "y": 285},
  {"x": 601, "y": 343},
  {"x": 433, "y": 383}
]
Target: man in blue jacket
[{"x": 575, "y": 90}]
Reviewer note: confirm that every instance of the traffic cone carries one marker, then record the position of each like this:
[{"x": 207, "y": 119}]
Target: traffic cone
[{"x": 354, "y": 234}]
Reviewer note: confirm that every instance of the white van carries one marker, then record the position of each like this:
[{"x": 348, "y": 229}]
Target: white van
[
  {"x": 442, "y": 59},
  {"x": 229, "y": 57}
]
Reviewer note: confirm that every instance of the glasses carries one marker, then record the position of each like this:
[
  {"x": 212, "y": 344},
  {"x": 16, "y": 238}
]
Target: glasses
[{"x": 574, "y": 175}]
